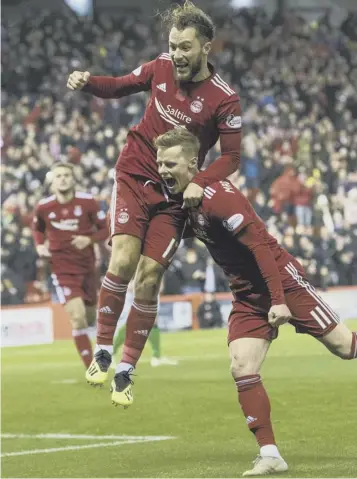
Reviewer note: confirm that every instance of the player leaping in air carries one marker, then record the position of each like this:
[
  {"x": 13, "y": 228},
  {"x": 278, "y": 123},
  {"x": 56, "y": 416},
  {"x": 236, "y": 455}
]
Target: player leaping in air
[
  {"x": 268, "y": 284},
  {"x": 71, "y": 222},
  {"x": 146, "y": 219}
]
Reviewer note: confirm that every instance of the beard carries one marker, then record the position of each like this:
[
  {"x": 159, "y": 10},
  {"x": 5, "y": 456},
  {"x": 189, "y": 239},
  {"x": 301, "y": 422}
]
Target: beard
[{"x": 195, "y": 67}]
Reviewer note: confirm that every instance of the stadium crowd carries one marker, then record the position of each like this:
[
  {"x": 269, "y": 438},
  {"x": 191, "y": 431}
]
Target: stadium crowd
[{"x": 297, "y": 83}]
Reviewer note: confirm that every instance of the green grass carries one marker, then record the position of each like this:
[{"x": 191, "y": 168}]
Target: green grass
[{"x": 313, "y": 396}]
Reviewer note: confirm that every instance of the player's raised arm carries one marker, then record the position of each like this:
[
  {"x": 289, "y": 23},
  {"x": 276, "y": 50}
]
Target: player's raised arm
[
  {"x": 229, "y": 123},
  {"x": 113, "y": 87}
]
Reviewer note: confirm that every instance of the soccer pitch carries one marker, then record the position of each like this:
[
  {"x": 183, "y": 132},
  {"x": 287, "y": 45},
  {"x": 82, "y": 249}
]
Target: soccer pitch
[{"x": 185, "y": 420}]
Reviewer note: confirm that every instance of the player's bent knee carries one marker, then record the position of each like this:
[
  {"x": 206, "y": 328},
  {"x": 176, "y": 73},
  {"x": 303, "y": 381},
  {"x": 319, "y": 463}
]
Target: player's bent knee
[
  {"x": 247, "y": 356},
  {"x": 77, "y": 313},
  {"x": 343, "y": 350},
  {"x": 243, "y": 367},
  {"x": 148, "y": 278},
  {"x": 125, "y": 256},
  {"x": 339, "y": 341}
]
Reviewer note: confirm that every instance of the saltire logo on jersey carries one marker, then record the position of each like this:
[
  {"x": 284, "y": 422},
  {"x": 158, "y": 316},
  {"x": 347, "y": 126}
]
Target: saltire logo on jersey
[
  {"x": 65, "y": 225},
  {"x": 233, "y": 222},
  {"x": 171, "y": 115}
]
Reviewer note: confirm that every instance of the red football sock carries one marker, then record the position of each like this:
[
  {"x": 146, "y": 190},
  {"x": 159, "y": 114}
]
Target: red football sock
[
  {"x": 354, "y": 345},
  {"x": 255, "y": 405},
  {"x": 140, "y": 321},
  {"x": 83, "y": 345},
  {"x": 110, "y": 306}
]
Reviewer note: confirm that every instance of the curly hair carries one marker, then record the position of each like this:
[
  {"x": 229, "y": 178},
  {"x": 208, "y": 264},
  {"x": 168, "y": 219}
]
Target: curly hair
[{"x": 188, "y": 15}]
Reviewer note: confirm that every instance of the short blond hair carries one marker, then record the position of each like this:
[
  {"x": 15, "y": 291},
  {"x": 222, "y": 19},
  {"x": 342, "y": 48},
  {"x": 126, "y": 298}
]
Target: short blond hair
[
  {"x": 179, "y": 136},
  {"x": 59, "y": 164}
]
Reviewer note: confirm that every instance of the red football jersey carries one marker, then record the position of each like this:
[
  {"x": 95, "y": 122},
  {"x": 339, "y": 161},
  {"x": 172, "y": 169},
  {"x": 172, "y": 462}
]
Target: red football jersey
[
  {"x": 60, "y": 222},
  {"x": 238, "y": 241},
  {"x": 210, "y": 109}
]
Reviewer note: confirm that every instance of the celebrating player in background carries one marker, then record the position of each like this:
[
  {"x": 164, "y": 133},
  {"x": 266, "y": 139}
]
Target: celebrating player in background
[
  {"x": 268, "y": 285},
  {"x": 146, "y": 219},
  {"x": 71, "y": 222}
]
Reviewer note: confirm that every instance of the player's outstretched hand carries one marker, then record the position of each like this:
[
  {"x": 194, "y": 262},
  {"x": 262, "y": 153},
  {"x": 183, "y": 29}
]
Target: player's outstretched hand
[
  {"x": 192, "y": 196},
  {"x": 77, "y": 80},
  {"x": 279, "y": 314},
  {"x": 81, "y": 242},
  {"x": 42, "y": 251}
]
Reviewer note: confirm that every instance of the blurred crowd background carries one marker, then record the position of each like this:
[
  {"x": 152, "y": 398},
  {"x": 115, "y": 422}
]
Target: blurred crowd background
[{"x": 297, "y": 81}]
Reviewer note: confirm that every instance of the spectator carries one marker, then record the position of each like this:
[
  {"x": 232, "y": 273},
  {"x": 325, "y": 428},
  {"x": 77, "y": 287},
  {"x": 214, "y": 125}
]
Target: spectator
[
  {"x": 209, "y": 312},
  {"x": 285, "y": 191},
  {"x": 298, "y": 93},
  {"x": 193, "y": 271}
]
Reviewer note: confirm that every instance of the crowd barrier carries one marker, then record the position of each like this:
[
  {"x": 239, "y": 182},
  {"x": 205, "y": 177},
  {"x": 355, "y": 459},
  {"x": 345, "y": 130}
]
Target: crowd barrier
[{"x": 43, "y": 323}]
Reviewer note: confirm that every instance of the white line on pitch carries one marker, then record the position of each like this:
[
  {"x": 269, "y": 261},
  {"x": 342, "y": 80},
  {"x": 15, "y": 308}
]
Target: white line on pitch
[
  {"x": 82, "y": 436},
  {"x": 76, "y": 448}
]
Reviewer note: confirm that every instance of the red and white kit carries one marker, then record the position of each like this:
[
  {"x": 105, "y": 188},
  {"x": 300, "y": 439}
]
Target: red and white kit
[
  {"x": 73, "y": 270},
  {"x": 261, "y": 272},
  {"x": 210, "y": 109}
]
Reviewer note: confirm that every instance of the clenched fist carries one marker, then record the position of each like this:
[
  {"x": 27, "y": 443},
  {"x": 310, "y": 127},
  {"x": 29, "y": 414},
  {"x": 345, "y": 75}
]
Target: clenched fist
[
  {"x": 279, "y": 314},
  {"x": 192, "y": 196},
  {"x": 77, "y": 80}
]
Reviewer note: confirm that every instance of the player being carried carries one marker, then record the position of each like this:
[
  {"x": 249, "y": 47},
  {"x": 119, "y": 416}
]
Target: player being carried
[
  {"x": 146, "y": 219},
  {"x": 71, "y": 222},
  {"x": 268, "y": 285}
]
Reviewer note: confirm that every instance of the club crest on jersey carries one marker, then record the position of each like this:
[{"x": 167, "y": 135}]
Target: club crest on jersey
[
  {"x": 78, "y": 210},
  {"x": 123, "y": 216},
  {"x": 196, "y": 106},
  {"x": 52, "y": 215},
  {"x": 234, "y": 121}
]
